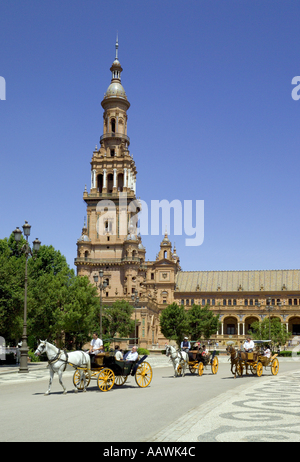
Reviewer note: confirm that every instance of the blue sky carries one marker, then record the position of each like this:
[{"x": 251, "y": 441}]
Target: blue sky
[{"x": 211, "y": 118}]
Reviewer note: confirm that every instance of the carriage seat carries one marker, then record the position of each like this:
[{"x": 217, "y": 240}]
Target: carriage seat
[
  {"x": 193, "y": 355},
  {"x": 252, "y": 356},
  {"x": 99, "y": 358}
]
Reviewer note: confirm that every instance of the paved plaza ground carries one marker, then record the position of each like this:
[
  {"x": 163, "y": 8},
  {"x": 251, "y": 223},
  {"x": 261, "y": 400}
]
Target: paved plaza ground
[{"x": 190, "y": 409}]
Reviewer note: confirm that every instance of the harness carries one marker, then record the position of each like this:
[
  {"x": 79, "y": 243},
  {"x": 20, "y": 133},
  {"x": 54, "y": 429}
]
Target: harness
[{"x": 58, "y": 357}]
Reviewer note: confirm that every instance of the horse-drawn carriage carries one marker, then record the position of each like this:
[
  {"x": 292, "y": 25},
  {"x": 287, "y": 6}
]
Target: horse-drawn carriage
[
  {"x": 198, "y": 362},
  {"x": 256, "y": 361},
  {"x": 108, "y": 372},
  {"x": 194, "y": 359}
]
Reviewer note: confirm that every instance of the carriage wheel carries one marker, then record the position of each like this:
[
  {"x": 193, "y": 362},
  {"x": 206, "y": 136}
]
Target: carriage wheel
[
  {"x": 275, "y": 366},
  {"x": 200, "y": 369},
  {"x": 259, "y": 369},
  {"x": 106, "y": 379},
  {"x": 143, "y": 375},
  {"x": 193, "y": 367},
  {"x": 120, "y": 380},
  {"x": 78, "y": 382},
  {"x": 253, "y": 368},
  {"x": 215, "y": 365}
]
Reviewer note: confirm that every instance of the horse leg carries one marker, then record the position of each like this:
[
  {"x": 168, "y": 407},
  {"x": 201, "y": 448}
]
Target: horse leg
[
  {"x": 61, "y": 382},
  {"x": 50, "y": 381},
  {"x": 175, "y": 369}
]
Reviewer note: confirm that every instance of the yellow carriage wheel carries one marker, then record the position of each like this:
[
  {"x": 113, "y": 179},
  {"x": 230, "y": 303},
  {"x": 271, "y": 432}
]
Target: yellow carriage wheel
[
  {"x": 143, "y": 375},
  {"x": 275, "y": 366},
  {"x": 106, "y": 379},
  {"x": 259, "y": 369},
  {"x": 193, "y": 367},
  {"x": 253, "y": 368},
  {"x": 200, "y": 369},
  {"x": 78, "y": 382},
  {"x": 215, "y": 365},
  {"x": 120, "y": 380}
]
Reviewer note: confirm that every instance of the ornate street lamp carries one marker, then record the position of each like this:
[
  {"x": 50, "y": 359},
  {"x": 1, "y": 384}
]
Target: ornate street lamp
[
  {"x": 101, "y": 286},
  {"x": 27, "y": 250},
  {"x": 135, "y": 299}
]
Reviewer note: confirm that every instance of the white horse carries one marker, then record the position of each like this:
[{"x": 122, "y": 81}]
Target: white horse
[
  {"x": 179, "y": 358},
  {"x": 58, "y": 361}
]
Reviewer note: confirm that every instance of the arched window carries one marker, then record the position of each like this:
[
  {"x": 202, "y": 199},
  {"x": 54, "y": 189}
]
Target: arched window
[
  {"x": 113, "y": 125},
  {"x": 100, "y": 183}
]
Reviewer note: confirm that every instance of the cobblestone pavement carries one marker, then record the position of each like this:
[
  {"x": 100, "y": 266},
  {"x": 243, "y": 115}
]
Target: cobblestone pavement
[{"x": 264, "y": 412}]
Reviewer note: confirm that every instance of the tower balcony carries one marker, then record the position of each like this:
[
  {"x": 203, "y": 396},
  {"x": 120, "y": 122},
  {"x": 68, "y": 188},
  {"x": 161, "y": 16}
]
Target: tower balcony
[{"x": 113, "y": 135}]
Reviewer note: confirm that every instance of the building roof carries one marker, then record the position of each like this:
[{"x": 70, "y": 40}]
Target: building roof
[{"x": 238, "y": 281}]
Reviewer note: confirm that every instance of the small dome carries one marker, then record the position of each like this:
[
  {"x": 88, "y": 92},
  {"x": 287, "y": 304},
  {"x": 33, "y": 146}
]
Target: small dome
[
  {"x": 141, "y": 247},
  {"x": 84, "y": 237},
  {"x": 115, "y": 89}
]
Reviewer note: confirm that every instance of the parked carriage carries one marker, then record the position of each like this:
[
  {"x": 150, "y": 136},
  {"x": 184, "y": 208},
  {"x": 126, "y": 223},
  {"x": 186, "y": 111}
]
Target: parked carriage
[
  {"x": 255, "y": 361},
  {"x": 109, "y": 372}
]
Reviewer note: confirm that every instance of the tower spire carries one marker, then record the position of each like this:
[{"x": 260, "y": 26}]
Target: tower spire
[{"x": 117, "y": 47}]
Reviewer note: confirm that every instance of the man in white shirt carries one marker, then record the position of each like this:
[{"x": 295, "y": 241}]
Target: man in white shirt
[
  {"x": 133, "y": 355},
  {"x": 249, "y": 345},
  {"x": 96, "y": 345}
]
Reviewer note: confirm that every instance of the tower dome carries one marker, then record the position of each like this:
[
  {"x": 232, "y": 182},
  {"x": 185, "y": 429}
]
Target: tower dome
[{"x": 115, "y": 89}]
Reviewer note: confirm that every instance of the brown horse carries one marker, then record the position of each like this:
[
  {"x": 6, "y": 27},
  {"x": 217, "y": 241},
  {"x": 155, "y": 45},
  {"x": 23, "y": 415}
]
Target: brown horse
[{"x": 237, "y": 359}]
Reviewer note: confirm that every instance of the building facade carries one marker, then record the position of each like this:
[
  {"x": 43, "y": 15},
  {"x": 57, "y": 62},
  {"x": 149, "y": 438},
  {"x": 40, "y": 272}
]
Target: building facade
[{"x": 109, "y": 243}]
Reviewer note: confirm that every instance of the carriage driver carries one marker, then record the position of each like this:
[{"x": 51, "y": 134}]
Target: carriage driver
[
  {"x": 249, "y": 345},
  {"x": 96, "y": 345},
  {"x": 185, "y": 345}
]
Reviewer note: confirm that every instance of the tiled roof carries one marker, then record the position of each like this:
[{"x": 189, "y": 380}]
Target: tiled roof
[{"x": 235, "y": 281}]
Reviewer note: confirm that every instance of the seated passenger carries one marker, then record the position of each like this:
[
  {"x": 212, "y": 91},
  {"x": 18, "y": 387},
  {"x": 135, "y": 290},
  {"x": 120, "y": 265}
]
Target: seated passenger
[
  {"x": 205, "y": 351},
  {"x": 132, "y": 355},
  {"x": 267, "y": 352},
  {"x": 118, "y": 353}
]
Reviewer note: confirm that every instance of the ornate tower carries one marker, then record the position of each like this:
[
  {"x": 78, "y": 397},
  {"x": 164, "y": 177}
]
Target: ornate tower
[{"x": 109, "y": 241}]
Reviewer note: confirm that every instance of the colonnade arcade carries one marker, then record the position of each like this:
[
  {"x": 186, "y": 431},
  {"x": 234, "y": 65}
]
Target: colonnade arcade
[{"x": 240, "y": 325}]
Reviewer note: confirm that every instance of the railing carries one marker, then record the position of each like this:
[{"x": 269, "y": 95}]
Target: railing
[
  {"x": 106, "y": 260},
  {"x": 115, "y": 135}
]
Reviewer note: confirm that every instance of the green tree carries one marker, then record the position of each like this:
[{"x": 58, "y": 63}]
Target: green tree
[
  {"x": 117, "y": 319},
  {"x": 59, "y": 304},
  {"x": 12, "y": 273},
  {"x": 279, "y": 335},
  {"x": 202, "y": 322},
  {"x": 173, "y": 323}
]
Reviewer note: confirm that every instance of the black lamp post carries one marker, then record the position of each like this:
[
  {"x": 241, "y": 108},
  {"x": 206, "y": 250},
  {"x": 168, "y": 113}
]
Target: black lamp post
[
  {"x": 27, "y": 250},
  {"x": 101, "y": 286}
]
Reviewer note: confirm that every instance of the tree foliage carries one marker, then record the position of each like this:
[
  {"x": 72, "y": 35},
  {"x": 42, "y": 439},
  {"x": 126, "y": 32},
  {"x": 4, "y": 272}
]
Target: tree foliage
[
  {"x": 117, "y": 319},
  {"x": 279, "y": 335},
  {"x": 198, "y": 322},
  {"x": 173, "y": 323},
  {"x": 60, "y": 305},
  {"x": 202, "y": 322}
]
